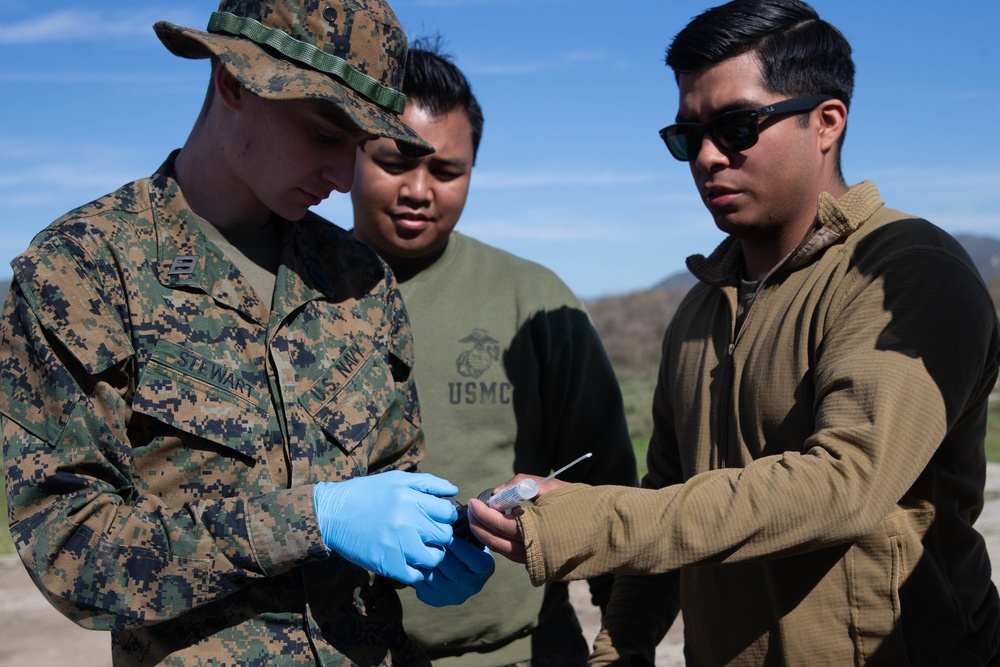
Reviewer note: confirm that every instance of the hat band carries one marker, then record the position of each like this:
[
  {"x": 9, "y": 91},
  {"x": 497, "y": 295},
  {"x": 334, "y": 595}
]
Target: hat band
[{"x": 309, "y": 55}]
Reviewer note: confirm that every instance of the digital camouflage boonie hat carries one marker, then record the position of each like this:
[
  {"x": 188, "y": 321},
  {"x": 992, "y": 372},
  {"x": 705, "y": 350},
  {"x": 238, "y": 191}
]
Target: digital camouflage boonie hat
[{"x": 348, "y": 52}]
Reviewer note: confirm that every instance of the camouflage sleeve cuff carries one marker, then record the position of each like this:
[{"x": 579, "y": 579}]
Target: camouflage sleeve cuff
[{"x": 284, "y": 532}]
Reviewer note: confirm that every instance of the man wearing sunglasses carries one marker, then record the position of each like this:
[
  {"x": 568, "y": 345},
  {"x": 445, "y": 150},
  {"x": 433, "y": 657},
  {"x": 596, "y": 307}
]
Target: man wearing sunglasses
[{"x": 817, "y": 459}]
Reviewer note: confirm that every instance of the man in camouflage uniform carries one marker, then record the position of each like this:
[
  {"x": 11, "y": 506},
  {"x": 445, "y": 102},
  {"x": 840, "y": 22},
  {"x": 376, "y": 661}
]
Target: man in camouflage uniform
[{"x": 199, "y": 376}]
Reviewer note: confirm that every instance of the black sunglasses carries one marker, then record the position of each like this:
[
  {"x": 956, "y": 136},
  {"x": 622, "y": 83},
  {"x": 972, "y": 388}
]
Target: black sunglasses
[{"x": 734, "y": 130}]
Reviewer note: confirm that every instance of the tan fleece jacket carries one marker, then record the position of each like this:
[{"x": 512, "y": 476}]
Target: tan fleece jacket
[{"x": 814, "y": 477}]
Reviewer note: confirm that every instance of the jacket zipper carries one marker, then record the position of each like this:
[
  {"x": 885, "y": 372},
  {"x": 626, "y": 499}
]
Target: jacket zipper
[
  {"x": 725, "y": 408},
  {"x": 726, "y": 438},
  {"x": 728, "y": 449}
]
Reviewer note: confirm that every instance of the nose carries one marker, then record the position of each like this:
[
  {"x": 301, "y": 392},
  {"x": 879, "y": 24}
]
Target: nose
[
  {"x": 709, "y": 155},
  {"x": 339, "y": 169},
  {"x": 416, "y": 187}
]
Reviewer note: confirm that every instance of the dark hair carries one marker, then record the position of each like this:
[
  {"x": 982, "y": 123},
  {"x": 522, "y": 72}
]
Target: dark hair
[
  {"x": 799, "y": 53},
  {"x": 434, "y": 82}
]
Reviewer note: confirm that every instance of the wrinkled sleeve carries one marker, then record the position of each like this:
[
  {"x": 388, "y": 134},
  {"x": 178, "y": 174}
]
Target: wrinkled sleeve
[{"x": 103, "y": 553}]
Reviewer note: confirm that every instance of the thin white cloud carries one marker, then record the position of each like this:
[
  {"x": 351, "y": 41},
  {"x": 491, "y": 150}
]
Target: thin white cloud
[
  {"x": 81, "y": 25},
  {"x": 64, "y": 176},
  {"x": 550, "y": 224},
  {"x": 960, "y": 200},
  {"x": 18, "y": 148},
  {"x": 971, "y": 177},
  {"x": 149, "y": 85},
  {"x": 970, "y": 192},
  {"x": 71, "y": 25},
  {"x": 957, "y": 223},
  {"x": 34, "y": 166}
]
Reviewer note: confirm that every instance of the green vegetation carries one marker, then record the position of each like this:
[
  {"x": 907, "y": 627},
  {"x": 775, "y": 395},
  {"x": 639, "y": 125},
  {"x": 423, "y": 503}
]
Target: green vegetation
[
  {"x": 637, "y": 395},
  {"x": 640, "y": 445},
  {"x": 6, "y": 543},
  {"x": 993, "y": 430}
]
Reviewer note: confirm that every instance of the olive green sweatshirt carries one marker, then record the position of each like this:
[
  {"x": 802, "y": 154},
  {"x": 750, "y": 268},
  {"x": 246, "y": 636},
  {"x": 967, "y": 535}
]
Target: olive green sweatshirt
[{"x": 511, "y": 377}]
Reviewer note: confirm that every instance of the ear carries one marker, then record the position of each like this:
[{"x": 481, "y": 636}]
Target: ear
[
  {"x": 229, "y": 91},
  {"x": 832, "y": 119}
]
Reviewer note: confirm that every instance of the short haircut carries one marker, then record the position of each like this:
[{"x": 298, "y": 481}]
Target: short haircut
[
  {"x": 433, "y": 82},
  {"x": 799, "y": 53}
]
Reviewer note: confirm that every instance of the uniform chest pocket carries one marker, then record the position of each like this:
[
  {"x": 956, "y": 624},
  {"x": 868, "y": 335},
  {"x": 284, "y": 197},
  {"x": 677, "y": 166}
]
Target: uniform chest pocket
[
  {"x": 203, "y": 397},
  {"x": 353, "y": 397}
]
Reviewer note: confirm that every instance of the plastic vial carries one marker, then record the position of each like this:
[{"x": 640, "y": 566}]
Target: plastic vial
[{"x": 513, "y": 496}]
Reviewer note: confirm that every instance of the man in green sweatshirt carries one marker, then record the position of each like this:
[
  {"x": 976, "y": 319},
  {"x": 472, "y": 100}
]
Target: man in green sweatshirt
[
  {"x": 510, "y": 372},
  {"x": 817, "y": 461}
]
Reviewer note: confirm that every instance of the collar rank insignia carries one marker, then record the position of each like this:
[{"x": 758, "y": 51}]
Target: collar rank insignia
[{"x": 183, "y": 265}]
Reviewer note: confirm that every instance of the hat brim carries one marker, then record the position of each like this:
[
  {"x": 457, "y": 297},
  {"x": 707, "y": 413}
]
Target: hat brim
[{"x": 272, "y": 77}]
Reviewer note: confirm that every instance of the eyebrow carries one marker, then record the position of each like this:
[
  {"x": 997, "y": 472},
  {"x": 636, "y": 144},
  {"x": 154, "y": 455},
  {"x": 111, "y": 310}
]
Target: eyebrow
[
  {"x": 454, "y": 162},
  {"x": 735, "y": 105}
]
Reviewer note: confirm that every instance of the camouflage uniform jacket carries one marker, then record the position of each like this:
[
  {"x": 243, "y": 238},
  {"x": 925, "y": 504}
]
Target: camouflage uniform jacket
[{"x": 163, "y": 432}]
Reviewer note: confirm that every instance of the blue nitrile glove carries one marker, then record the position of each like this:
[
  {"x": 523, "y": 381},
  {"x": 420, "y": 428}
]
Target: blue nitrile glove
[
  {"x": 392, "y": 523},
  {"x": 461, "y": 574}
]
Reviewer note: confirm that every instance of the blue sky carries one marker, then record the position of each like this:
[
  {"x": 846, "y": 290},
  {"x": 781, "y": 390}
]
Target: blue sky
[{"x": 571, "y": 172}]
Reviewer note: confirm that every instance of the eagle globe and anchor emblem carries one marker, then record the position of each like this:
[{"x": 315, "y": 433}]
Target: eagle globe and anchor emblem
[{"x": 485, "y": 350}]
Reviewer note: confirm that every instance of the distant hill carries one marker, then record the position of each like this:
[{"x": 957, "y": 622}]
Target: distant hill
[
  {"x": 632, "y": 325},
  {"x": 984, "y": 251},
  {"x": 680, "y": 280}
]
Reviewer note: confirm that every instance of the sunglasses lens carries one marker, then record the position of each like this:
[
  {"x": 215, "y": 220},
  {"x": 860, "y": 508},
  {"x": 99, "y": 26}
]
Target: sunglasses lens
[
  {"x": 736, "y": 131},
  {"x": 680, "y": 138},
  {"x": 733, "y": 130}
]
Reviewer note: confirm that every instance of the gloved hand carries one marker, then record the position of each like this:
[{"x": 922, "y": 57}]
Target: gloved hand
[
  {"x": 461, "y": 574},
  {"x": 392, "y": 523}
]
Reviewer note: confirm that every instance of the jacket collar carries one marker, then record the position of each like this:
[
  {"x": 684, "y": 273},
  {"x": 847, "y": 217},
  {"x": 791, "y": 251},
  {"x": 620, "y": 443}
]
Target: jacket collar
[
  {"x": 835, "y": 219},
  {"x": 186, "y": 258}
]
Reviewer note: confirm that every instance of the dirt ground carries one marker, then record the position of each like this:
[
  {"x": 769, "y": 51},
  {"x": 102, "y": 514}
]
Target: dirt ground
[{"x": 32, "y": 633}]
